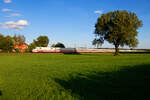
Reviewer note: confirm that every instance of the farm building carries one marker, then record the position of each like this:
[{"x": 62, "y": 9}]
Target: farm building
[{"x": 21, "y": 47}]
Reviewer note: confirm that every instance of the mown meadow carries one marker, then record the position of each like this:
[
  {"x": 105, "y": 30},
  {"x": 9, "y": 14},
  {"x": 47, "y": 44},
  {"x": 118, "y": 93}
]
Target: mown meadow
[{"x": 74, "y": 77}]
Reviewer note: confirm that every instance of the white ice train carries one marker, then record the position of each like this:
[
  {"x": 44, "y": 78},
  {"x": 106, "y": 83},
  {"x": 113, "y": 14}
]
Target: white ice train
[
  {"x": 54, "y": 50},
  {"x": 75, "y": 50}
]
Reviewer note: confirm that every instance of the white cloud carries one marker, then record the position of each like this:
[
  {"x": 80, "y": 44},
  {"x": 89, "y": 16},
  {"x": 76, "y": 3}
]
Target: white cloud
[
  {"x": 19, "y": 25},
  {"x": 23, "y": 23},
  {"x": 6, "y": 10},
  {"x": 98, "y": 12},
  {"x": 7, "y": 1},
  {"x": 14, "y": 15}
]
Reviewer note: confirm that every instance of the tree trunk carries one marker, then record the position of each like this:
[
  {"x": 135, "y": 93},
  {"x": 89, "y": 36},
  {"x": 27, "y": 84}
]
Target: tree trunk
[
  {"x": 116, "y": 49},
  {"x": 97, "y": 46}
]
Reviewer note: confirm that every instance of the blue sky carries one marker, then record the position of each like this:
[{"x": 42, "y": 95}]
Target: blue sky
[{"x": 68, "y": 21}]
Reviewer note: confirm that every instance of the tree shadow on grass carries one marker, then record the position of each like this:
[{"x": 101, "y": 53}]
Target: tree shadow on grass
[
  {"x": 0, "y": 93},
  {"x": 130, "y": 83}
]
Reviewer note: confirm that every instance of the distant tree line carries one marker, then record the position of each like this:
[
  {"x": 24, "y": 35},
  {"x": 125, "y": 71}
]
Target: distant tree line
[{"x": 7, "y": 43}]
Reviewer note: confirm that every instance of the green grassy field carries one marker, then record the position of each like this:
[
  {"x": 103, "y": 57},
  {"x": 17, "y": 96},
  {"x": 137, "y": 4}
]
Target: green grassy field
[{"x": 74, "y": 77}]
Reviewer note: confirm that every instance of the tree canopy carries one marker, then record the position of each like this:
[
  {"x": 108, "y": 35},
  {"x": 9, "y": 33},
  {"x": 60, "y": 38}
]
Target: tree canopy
[
  {"x": 6, "y": 43},
  {"x": 42, "y": 41},
  {"x": 118, "y": 28},
  {"x": 98, "y": 42},
  {"x": 61, "y": 45}
]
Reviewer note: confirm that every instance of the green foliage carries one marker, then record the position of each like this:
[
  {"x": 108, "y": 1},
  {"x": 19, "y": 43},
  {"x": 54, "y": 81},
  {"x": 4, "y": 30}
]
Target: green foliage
[
  {"x": 42, "y": 41},
  {"x": 6, "y": 43},
  {"x": 31, "y": 46},
  {"x": 2, "y": 39},
  {"x": 61, "y": 45},
  {"x": 119, "y": 28},
  {"x": 98, "y": 42},
  {"x": 74, "y": 77},
  {"x": 53, "y": 45},
  {"x": 27, "y": 50},
  {"x": 18, "y": 50}
]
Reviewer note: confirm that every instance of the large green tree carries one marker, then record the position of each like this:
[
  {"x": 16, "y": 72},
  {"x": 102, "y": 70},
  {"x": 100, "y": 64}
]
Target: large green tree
[
  {"x": 42, "y": 41},
  {"x": 6, "y": 43},
  {"x": 118, "y": 28}
]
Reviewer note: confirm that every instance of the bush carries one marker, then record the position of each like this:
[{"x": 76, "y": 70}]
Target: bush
[
  {"x": 18, "y": 50},
  {"x": 61, "y": 45},
  {"x": 26, "y": 51},
  {"x": 31, "y": 46}
]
